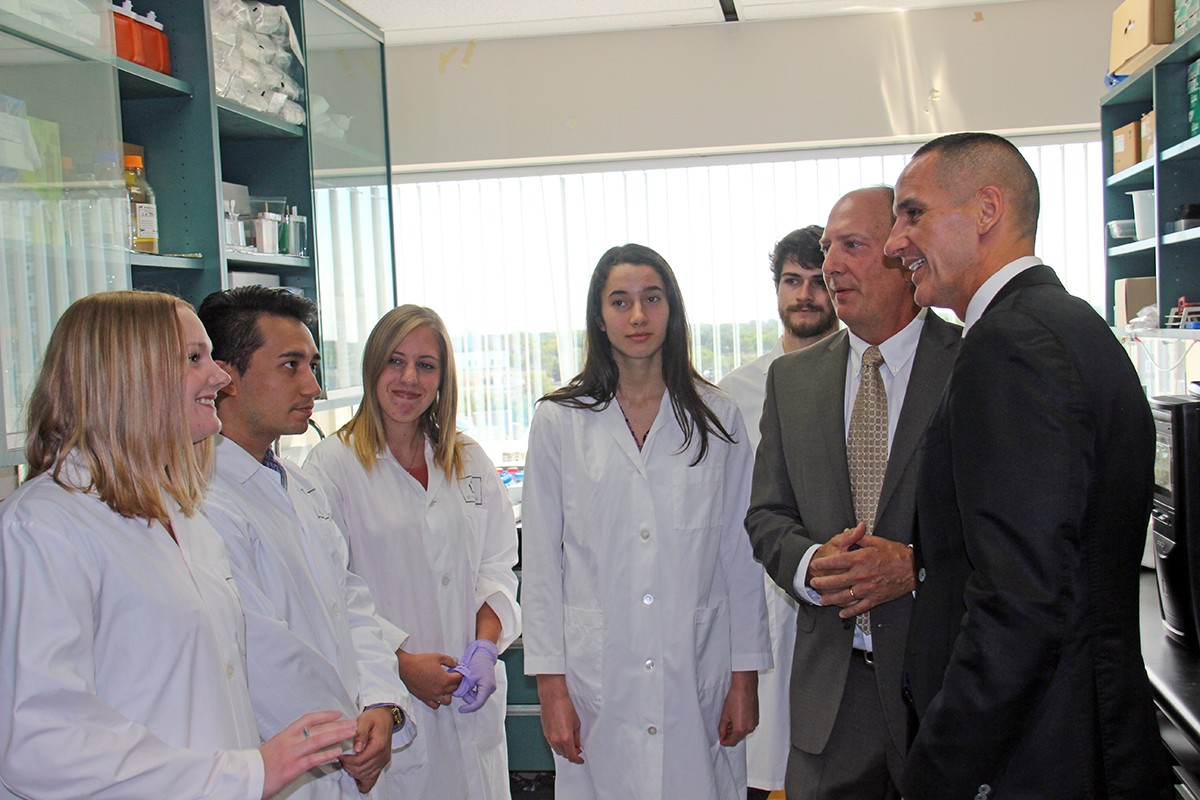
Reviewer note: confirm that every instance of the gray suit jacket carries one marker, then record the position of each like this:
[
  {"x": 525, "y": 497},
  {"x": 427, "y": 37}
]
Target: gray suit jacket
[{"x": 801, "y": 497}]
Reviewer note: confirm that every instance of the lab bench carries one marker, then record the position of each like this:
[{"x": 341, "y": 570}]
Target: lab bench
[{"x": 1174, "y": 674}]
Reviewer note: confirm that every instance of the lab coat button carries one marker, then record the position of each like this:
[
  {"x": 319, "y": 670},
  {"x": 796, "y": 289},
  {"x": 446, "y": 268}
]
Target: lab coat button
[
  {"x": 645, "y": 534},
  {"x": 229, "y": 671},
  {"x": 652, "y": 730},
  {"x": 337, "y": 612},
  {"x": 648, "y": 599},
  {"x": 445, "y": 580},
  {"x": 649, "y": 663}
]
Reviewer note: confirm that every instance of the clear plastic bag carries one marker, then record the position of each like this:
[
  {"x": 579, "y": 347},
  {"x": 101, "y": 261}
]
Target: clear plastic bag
[{"x": 268, "y": 19}]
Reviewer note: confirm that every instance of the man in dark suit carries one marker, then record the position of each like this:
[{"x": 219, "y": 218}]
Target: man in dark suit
[
  {"x": 1023, "y": 664},
  {"x": 811, "y": 506}
]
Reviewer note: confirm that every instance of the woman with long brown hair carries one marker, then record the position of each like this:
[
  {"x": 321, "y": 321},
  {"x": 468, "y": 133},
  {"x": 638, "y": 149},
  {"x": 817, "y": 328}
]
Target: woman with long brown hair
[{"x": 645, "y": 621}]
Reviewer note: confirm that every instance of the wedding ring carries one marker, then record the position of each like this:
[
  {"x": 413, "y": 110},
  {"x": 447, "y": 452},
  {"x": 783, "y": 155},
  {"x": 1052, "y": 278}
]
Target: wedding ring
[
  {"x": 306, "y": 733},
  {"x": 852, "y": 597}
]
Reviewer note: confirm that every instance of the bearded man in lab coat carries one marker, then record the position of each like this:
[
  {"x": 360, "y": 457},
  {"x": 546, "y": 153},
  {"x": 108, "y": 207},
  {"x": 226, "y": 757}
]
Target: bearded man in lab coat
[
  {"x": 313, "y": 637},
  {"x": 806, "y": 312}
]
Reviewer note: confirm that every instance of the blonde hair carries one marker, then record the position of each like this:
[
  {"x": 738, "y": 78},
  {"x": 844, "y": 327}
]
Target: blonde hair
[
  {"x": 365, "y": 433},
  {"x": 110, "y": 391}
]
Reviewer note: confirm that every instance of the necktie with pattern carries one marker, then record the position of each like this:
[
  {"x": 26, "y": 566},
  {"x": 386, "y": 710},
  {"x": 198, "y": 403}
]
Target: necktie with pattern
[{"x": 867, "y": 448}]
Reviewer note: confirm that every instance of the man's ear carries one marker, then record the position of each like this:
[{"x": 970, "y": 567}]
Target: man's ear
[
  {"x": 230, "y": 389},
  {"x": 991, "y": 205}
]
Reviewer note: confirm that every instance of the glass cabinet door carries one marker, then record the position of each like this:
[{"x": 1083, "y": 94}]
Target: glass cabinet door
[
  {"x": 63, "y": 212},
  {"x": 352, "y": 213}
]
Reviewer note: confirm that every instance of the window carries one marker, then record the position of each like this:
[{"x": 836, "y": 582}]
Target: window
[{"x": 505, "y": 259}]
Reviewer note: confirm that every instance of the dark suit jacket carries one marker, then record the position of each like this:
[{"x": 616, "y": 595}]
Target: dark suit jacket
[
  {"x": 801, "y": 497},
  {"x": 1024, "y": 660}
]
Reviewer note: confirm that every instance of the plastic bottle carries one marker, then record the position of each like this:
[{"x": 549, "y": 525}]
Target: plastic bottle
[
  {"x": 293, "y": 234},
  {"x": 143, "y": 213}
]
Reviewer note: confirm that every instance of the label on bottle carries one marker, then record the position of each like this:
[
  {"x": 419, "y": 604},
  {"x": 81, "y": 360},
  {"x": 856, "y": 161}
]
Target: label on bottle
[{"x": 146, "y": 223}]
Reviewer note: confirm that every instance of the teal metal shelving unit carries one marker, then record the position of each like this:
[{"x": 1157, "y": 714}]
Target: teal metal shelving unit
[
  {"x": 1172, "y": 170},
  {"x": 193, "y": 141}
]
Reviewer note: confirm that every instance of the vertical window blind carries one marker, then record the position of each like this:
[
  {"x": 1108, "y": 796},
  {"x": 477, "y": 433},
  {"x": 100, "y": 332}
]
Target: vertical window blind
[{"x": 505, "y": 259}]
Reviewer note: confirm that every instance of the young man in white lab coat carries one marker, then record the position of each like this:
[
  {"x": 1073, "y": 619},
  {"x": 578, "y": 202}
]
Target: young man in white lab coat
[
  {"x": 806, "y": 312},
  {"x": 314, "y": 639}
]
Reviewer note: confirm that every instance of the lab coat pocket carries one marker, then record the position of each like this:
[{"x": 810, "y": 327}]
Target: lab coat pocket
[
  {"x": 487, "y": 724},
  {"x": 698, "y": 498},
  {"x": 713, "y": 647},
  {"x": 583, "y": 635},
  {"x": 414, "y": 755}
]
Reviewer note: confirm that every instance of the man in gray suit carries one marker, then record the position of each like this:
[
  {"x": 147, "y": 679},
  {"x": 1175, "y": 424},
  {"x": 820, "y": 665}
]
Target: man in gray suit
[{"x": 832, "y": 508}]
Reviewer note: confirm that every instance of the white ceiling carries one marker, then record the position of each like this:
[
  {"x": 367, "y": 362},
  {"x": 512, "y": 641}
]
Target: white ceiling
[{"x": 430, "y": 21}]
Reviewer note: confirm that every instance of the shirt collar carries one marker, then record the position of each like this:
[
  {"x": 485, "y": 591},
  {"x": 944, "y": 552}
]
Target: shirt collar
[
  {"x": 235, "y": 462},
  {"x": 897, "y": 350},
  {"x": 986, "y": 293}
]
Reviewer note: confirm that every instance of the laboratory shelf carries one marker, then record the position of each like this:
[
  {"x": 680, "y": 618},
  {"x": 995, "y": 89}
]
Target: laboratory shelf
[
  {"x": 39, "y": 36},
  {"x": 235, "y": 121},
  {"x": 256, "y": 260},
  {"x": 1180, "y": 237},
  {"x": 1171, "y": 171},
  {"x": 139, "y": 83},
  {"x": 154, "y": 260},
  {"x": 1139, "y": 176},
  {"x": 1132, "y": 247},
  {"x": 1185, "y": 150}
]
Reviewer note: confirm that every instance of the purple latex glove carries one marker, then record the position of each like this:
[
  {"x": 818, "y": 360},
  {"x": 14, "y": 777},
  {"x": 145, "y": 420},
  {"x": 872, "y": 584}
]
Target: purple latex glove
[{"x": 478, "y": 668}]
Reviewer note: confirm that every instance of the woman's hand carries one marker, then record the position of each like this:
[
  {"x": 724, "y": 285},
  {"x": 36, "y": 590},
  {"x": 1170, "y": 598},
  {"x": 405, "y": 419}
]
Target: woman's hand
[
  {"x": 739, "y": 717},
  {"x": 426, "y": 677},
  {"x": 312, "y": 740},
  {"x": 560, "y": 722}
]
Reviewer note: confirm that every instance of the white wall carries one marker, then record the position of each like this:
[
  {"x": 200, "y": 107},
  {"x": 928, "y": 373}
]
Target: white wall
[{"x": 769, "y": 85}]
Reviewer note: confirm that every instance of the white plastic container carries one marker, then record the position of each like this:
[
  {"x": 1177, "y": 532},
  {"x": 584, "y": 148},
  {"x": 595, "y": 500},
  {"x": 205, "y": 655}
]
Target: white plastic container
[
  {"x": 1144, "y": 220},
  {"x": 266, "y": 232}
]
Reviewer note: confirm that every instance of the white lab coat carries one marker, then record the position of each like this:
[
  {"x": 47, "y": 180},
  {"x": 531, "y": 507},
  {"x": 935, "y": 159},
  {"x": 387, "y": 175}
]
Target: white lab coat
[
  {"x": 314, "y": 640},
  {"x": 639, "y": 586},
  {"x": 767, "y": 747},
  {"x": 432, "y": 558},
  {"x": 121, "y": 654}
]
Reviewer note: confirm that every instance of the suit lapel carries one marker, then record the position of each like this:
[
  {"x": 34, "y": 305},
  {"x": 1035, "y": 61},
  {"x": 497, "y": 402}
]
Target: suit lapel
[{"x": 825, "y": 392}]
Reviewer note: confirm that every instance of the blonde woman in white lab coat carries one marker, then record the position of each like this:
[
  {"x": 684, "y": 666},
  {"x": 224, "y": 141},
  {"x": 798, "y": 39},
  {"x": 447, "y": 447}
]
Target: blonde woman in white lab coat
[
  {"x": 645, "y": 621},
  {"x": 432, "y": 532},
  {"x": 121, "y": 636}
]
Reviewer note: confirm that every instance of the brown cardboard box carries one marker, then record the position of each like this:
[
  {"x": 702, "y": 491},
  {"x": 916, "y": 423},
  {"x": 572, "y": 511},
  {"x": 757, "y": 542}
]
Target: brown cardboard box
[
  {"x": 1126, "y": 146},
  {"x": 1146, "y": 137},
  {"x": 1141, "y": 29},
  {"x": 1131, "y": 295}
]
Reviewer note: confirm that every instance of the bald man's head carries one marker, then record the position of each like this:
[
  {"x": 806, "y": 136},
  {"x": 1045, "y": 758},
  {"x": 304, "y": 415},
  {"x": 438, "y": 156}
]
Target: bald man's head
[{"x": 967, "y": 162}]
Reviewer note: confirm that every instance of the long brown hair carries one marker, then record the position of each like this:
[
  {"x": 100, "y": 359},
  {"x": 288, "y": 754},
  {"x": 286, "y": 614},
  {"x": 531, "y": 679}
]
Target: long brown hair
[
  {"x": 596, "y": 385},
  {"x": 110, "y": 392}
]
